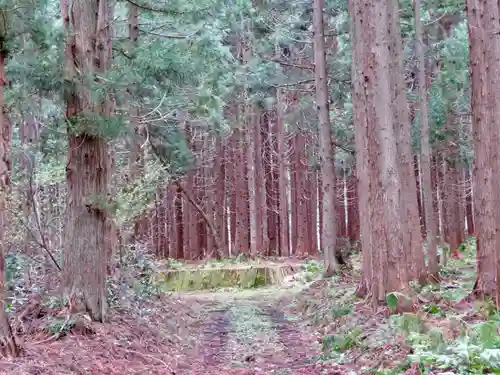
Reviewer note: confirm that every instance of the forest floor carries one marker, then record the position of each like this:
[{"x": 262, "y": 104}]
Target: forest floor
[{"x": 304, "y": 326}]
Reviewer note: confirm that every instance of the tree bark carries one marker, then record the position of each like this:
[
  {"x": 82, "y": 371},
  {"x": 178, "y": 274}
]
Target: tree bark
[
  {"x": 340, "y": 207},
  {"x": 282, "y": 179},
  {"x": 88, "y": 245},
  {"x": 421, "y": 207},
  {"x": 381, "y": 125},
  {"x": 469, "y": 209},
  {"x": 220, "y": 195},
  {"x": 364, "y": 154},
  {"x": 484, "y": 54},
  {"x": 326, "y": 143},
  {"x": 272, "y": 172},
  {"x": 262, "y": 208},
  {"x": 8, "y": 345},
  {"x": 428, "y": 212},
  {"x": 412, "y": 235},
  {"x": 251, "y": 129},
  {"x": 313, "y": 212},
  {"x": 353, "y": 227}
]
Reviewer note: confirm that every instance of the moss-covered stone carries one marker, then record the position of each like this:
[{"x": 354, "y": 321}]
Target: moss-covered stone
[{"x": 192, "y": 279}]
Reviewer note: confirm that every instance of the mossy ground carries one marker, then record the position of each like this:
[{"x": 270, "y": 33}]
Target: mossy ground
[{"x": 185, "y": 278}]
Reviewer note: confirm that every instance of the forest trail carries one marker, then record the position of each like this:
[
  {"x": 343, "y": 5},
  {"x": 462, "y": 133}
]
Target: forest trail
[{"x": 252, "y": 333}]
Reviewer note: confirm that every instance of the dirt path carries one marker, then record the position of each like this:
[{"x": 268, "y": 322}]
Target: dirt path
[
  {"x": 254, "y": 335},
  {"x": 215, "y": 338}
]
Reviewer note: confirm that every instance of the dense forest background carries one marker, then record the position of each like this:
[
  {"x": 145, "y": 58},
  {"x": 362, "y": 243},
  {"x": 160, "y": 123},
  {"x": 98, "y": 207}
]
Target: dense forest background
[{"x": 139, "y": 136}]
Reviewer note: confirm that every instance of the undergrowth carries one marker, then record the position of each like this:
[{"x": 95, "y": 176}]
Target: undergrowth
[{"x": 444, "y": 336}]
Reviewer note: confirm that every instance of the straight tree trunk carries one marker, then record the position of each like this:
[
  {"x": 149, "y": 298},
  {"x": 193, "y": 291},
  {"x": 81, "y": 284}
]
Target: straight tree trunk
[
  {"x": 429, "y": 213},
  {"x": 262, "y": 208},
  {"x": 440, "y": 168},
  {"x": 340, "y": 207},
  {"x": 179, "y": 221},
  {"x": 469, "y": 209},
  {"x": 320, "y": 209},
  {"x": 302, "y": 217},
  {"x": 294, "y": 161},
  {"x": 231, "y": 178},
  {"x": 251, "y": 129},
  {"x": 159, "y": 227},
  {"x": 364, "y": 154},
  {"x": 8, "y": 345},
  {"x": 313, "y": 212},
  {"x": 282, "y": 179},
  {"x": 88, "y": 244},
  {"x": 172, "y": 222},
  {"x": 329, "y": 236},
  {"x": 353, "y": 226},
  {"x": 207, "y": 195},
  {"x": 382, "y": 144},
  {"x": 484, "y": 54},
  {"x": 451, "y": 190},
  {"x": 270, "y": 167},
  {"x": 412, "y": 235},
  {"x": 220, "y": 194},
  {"x": 242, "y": 240},
  {"x": 421, "y": 208}
]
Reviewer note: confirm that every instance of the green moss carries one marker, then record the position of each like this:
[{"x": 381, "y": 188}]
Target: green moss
[{"x": 192, "y": 279}]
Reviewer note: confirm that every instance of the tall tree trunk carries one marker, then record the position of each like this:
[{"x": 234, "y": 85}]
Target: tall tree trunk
[
  {"x": 365, "y": 159},
  {"x": 326, "y": 143},
  {"x": 430, "y": 214},
  {"x": 87, "y": 247},
  {"x": 313, "y": 212},
  {"x": 180, "y": 224},
  {"x": 301, "y": 197},
  {"x": 340, "y": 207},
  {"x": 242, "y": 240},
  {"x": 442, "y": 198},
  {"x": 252, "y": 121},
  {"x": 191, "y": 250},
  {"x": 270, "y": 167},
  {"x": 262, "y": 208},
  {"x": 451, "y": 190},
  {"x": 159, "y": 227},
  {"x": 294, "y": 160},
  {"x": 207, "y": 195},
  {"x": 412, "y": 235},
  {"x": 232, "y": 190},
  {"x": 8, "y": 345},
  {"x": 353, "y": 227},
  {"x": 282, "y": 179},
  {"x": 136, "y": 156},
  {"x": 172, "y": 222},
  {"x": 484, "y": 53},
  {"x": 378, "y": 105},
  {"x": 421, "y": 208},
  {"x": 468, "y": 203},
  {"x": 220, "y": 194}
]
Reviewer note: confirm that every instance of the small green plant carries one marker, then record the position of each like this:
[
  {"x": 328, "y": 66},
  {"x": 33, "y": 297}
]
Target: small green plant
[
  {"x": 339, "y": 311},
  {"x": 342, "y": 342},
  {"x": 313, "y": 266},
  {"x": 60, "y": 327},
  {"x": 432, "y": 309},
  {"x": 410, "y": 323},
  {"x": 393, "y": 299}
]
